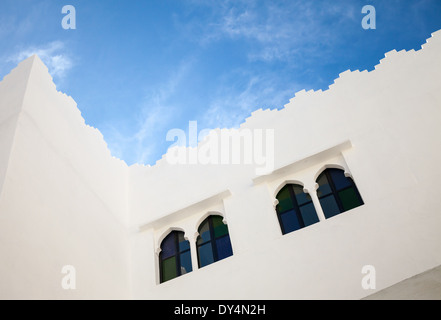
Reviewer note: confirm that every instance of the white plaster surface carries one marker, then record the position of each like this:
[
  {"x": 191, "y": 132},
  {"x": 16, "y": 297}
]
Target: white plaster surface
[
  {"x": 423, "y": 286},
  {"x": 65, "y": 200}
]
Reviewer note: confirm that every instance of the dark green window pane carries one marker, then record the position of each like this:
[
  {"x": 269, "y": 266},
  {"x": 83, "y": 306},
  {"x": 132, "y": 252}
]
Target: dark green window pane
[
  {"x": 284, "y": 193},
  {"x": 339, "y": 179},
  {"x": 309, "y": 214},
  {"x": 289, "y": 221},
  {"x": 169, "y": 269},
  {"x": 329, "y": 206},
  {"x": 205, "y": 254},
  {"x": 285, "y": 205},
  {"x": 301, "y": 196},
  {"x": 349, "y": 199},
  {"x": 186, "y": 262},
  {"x": 204, "y": 233},
  {"x": 285, "y": 201},
  {"x": 220, "y": 230},
  {"x": 324, "y": 188},
  {"x": 217, "y": 221}
]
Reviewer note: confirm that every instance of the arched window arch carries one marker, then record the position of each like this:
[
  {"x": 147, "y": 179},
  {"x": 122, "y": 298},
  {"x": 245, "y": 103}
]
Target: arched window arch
[
  {"x": 337, "y": 193},
  {"x": 175, "y": 257},
  {"x": 295, "y": 209},
  {"x": 213, "y": 243}
]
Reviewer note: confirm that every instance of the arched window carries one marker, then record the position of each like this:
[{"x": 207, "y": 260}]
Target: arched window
[
  {"x": 213, "y": 243},
  {"x": 295, "y": 209},
  {"x": 175, "y": 257},
  {"x": 337, "y": 193}
]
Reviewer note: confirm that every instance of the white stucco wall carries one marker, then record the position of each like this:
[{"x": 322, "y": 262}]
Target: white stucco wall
[
  {"x": 12, "y": 90},
  {"x": 382, "y": 127},
  {"x": 64, "y": 198},
  {"x": 65, "y": 201}
]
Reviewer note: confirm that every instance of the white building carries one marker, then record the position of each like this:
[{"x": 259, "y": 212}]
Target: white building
[{"x": 374, "y": 136}]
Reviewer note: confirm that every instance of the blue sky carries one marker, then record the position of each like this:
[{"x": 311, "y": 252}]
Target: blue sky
[{"x": 140, "y": 68}]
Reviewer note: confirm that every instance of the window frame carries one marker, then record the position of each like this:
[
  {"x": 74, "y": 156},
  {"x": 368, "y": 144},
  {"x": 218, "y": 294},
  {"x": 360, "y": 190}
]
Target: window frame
[
  {"x": 335, "y": 191},
  {"x": 214, "y": 248},
  {"x": 296, "y": 206},
  {"x": 175, "y": 234}
]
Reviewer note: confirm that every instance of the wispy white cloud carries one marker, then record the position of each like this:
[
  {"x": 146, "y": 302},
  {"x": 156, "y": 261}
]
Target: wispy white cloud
[
  {"x": 290, "y": 32},
  {"x": 287, "y": 31},
  {"x": 231, "y": 106},
  {"x": 53, "y": 54},
  {"x": 157, "y": 112},
  {"x": 145, "y": 141},
  {"x": 278, "y": 30},
  {"x": 141, "y": 143}
]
